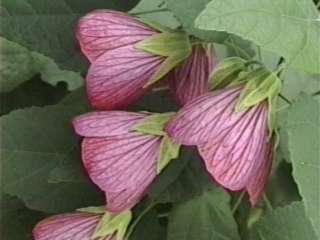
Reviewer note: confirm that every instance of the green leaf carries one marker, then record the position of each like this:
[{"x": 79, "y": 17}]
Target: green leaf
[
  {"x": 168, "y": 151},
  {"x": 19, "y": 65},
  {"x": 48, "y": 26},
  {"x": 182, "y": 179},
  {"x": 146, "y": 9},
  {"x": 303, "y": 141},
  {"x": 204, "y": 217},
  {"x": 35, "y": 142},
  {"x": 31, "y": 93},
  {"x": 287, "y": 223},
  {"x": 17, "y": 221},
  {"x": 149, "y": 228},
  {"x": 226, "y": 71},
  {"x": 112, "y": 223},
  {"x": 153, "y": 124},
  {"x": 186, "y": 11},
  {"x": 268, "y": 24}
]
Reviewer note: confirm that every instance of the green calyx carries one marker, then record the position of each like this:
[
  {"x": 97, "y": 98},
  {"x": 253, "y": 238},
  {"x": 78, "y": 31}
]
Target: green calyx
[
  {"x": 169, "y": 150},
  {"x": 111, "y": 224},
  {"x": 97, "y": 210},
  {"x": 174, "y": 45},
  {"x": 154, "y": 125},
  {"x": 226, "y": 72},
  {"x": 261, "y": 85}
]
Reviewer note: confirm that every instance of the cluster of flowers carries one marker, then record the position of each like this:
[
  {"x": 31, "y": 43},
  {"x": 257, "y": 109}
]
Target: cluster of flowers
[{"x": 123, "y": 151}]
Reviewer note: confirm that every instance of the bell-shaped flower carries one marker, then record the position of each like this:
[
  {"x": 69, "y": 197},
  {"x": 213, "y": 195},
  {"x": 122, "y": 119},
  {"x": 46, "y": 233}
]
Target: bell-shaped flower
[
  {"x": 235, "y": 145},
  {"x": 70, "y": 226},
  {"x": 121, "y": 161},
  {"x": 190, "y": 78},
  {"x": 120, "y": 70}
]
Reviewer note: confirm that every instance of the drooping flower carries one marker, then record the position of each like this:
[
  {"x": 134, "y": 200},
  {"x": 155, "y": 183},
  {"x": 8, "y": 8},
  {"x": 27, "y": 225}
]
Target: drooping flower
[
  {"x": 190, "y": 79},
  {"x": 234, "y": 145},
  {"x": 120, "y": 70},
  {"x": 71, "y": 226},
  {"x": 122, "y": 162}
]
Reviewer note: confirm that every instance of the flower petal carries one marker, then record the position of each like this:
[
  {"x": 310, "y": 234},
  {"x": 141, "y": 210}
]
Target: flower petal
[
  {"x": 104, "y": 30},
  {"x": 106, "y": 123},
  {"x": 259, "y": 180},
  {"x": 117, "y": 78},
  {"x": 235, "y": 152},
  {"x": 195, "y": 122},
  {"x": 190, "y": 78},
  {"x": 73, "y": 226},
  {"x": 122, "y": 166}
]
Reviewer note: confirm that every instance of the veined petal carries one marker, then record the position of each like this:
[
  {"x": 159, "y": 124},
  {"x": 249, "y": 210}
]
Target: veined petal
[
  {"x": 235, "y": 153},
  {"x": 72, "y": 226},
  {"x": 122, "y": 166},
  {"x": 106, "y": 123},
  {"x": 196, "y": 122},
  {"x": 116, "y": 78},
  {"x": 258, "y": 181},
  {"x": 104, "y": 30},
  {"x": 190, "y": 79}
]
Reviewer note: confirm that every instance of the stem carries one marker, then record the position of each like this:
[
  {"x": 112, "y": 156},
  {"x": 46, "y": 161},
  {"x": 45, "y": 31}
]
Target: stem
[
  {"x": 285, "y": 99},
  {"x": 137, "y": 220},
  {"x": 267, "y": 201},
  {"x": 150, "y": 11},
  {"x": 238, "y": 202}
]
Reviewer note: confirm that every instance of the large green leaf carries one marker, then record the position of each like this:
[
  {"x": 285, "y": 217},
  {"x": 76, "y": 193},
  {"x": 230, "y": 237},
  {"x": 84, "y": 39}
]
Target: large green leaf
[
  {"x": 287, "y": 223},
  {"x": 36, "y": 141},
  {"x": 48, "y": 26},
  {"x": 268, "y": 24},
  {"x": 18, "y": 65},
  {"x": 204, "y": 217},
  {"x": 303, "y": 142},
  {"x": 147, "y": 9},
  {"x": 17, "y": 221}
]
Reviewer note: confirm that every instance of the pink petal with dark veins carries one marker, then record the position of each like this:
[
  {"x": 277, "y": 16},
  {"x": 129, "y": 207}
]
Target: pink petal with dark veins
[
  {"x": 117, "y": 78},
  {"x": 196, "y": 122},
  {"x": 236, "y": 152},
  {"x": 106, "y": 123},
  {"x": 122, "y": 166},
  {"x": 104, "y": 30},
  {"x": 258, "y": 181},
  {"x": 73, "y": 226},
  {"x": 190, "y": 79}
]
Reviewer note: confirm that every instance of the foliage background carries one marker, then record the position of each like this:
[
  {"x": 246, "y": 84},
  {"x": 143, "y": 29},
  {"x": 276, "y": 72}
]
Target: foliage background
[{"x": 41, "y": 81}]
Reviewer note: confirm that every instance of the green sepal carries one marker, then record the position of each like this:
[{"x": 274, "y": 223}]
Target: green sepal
[
  {"x": 97, "y": 210},
  {"x": 112, "y": 223},
  {"x": 168, "y": 151},
  {"x": 153, "y": 124},
  {"x": 254, "y": 216},
  {"x": 175, "y": 46},
  {"x": 259, "y": 87},
  {"x": 226, "y": 71}
]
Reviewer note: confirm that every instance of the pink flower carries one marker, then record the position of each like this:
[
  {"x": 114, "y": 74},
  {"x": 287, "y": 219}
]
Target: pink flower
[
  {"x": 234, "y": 145},
  {"x": 121, "y": 162},
  {"x": 72, "y": 226},
  {"x": 118, "y": 70},
  {"x": 190, "y": 79}
]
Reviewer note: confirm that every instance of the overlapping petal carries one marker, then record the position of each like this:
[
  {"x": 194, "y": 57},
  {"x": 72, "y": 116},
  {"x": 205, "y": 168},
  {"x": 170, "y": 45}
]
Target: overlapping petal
[
  {"x": 73, "y": 226},
  {"x": 120, "y": 161},
  {"x": 117, "y": 78},
  {"x": 104, "y": 30},
  {"x": 102, "y": 124},
  {"x": 190, "y": 78},
  {"x": 197, "y": 121}
]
